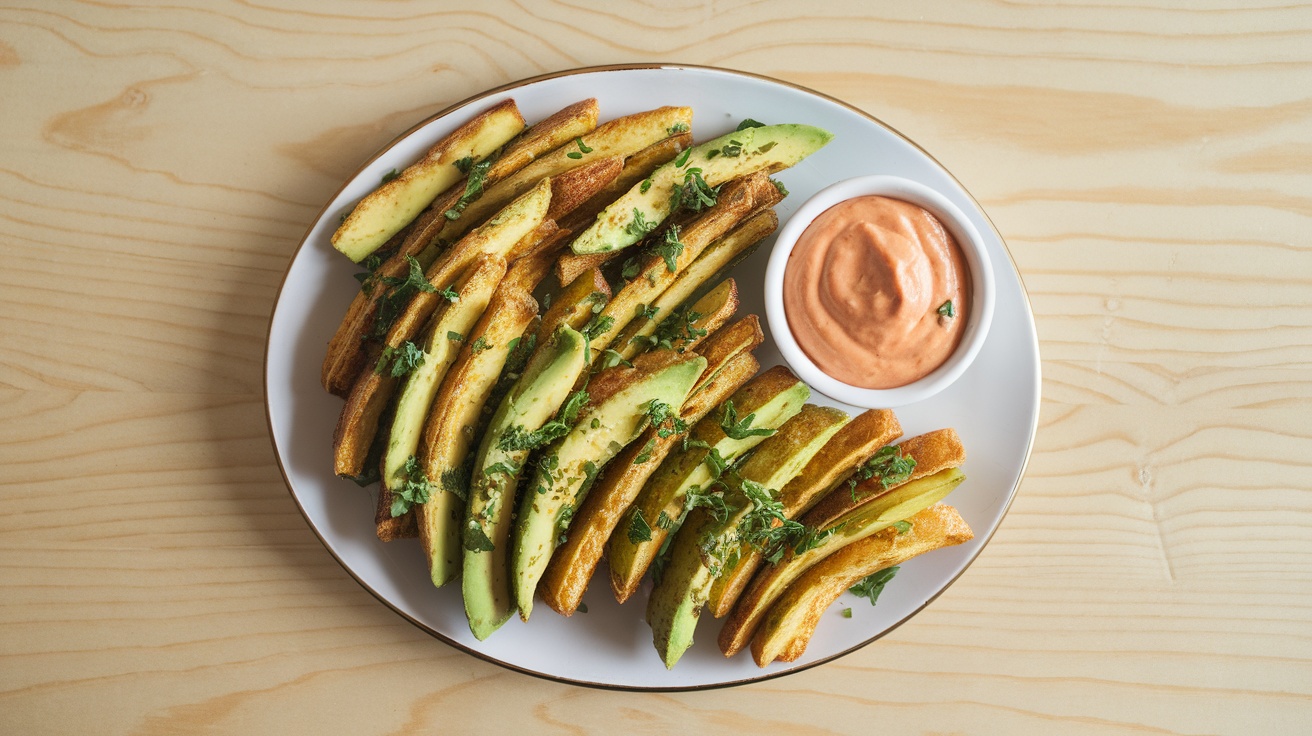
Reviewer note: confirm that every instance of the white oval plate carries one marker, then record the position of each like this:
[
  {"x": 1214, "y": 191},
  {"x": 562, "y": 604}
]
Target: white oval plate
[{"x": 994, "y": 406}]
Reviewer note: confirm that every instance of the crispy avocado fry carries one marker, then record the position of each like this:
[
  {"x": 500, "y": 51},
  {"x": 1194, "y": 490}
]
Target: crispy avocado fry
[
  {"x": 657, "y": 273},
  {"x": 371, "y": 392},
  {"x": 450, "y": 430},
  {"x": 568, "y": 468},
  {"x": 396, "y": 203},
  {"x": 501, "y": 459},
  {"x": 690, "y": 179},
  {"x": 940, "y": 459},
  {"x": 708, "y": 543},
  {"x": 758, "y": 408},
  {"x": 565, "y": 125},
  {"x": 635, "y": 337},
  {"x": 854, "y": 444},
  {"x": 684, "y": 327},
  {"x": 729, "y": 365},
  {"x": 788, "y": 626}
]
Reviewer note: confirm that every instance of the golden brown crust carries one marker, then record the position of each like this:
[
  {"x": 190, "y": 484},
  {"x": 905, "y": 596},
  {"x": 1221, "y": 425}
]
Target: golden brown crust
[
  {"x": 851, "y": 446},
  {"x": 933, "y": 451},
  {"x": 735, "y": 202},
  {"x": 942, "y": 450},
  {"x": 573, "y": 306},
  {"x": 788, "y": 626},
  {"x": 574, "y": 562},
  {"x": 573, "y": 188},
  {"x": 625, "y": 578},
  {"x": 742, "y": 336},
  {"x": 546, "y": 135}
]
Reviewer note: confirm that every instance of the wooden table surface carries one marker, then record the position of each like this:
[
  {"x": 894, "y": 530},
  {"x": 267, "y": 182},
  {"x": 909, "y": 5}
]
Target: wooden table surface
[{"x": 1150, "y": 165}]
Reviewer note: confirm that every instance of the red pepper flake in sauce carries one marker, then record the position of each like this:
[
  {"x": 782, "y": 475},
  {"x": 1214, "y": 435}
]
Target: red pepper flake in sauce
[{"x": 877, "y": 292}]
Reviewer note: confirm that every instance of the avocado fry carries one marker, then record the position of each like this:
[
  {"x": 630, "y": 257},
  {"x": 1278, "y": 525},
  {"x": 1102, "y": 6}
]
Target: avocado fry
[
  {"x": 737, "y": 426},
  {"x": 788, "y": 626},
  {"x": 854, "y": 444},
  {"x": 691, "y": 178},
  {"x": 729, "y": 364},
  {"x": 657, "y": 273},
  {"x": 708, "y": 543},
  {"x": 938, "y": 464},
  {"x": 567, "y": 469},
  {"x": 520, "y": 423},
  {"x": 450, "y": 430}
]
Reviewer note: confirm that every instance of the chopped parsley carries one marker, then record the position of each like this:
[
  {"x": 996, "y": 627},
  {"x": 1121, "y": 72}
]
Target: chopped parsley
[
  {"x": 749, "y": 123},
  {"x": 391, "y": 304},
  {"x": 740, "y": 430},
  {"x": 368, "y": 277},
  {"x": 477, "y": 176},
  {"x": 677, "y": 128},
  {"x": 640, "y": 225},
  {"x": 780, "y": 186},
  {"x": 664, "y": 418},
  {"x": 695, "y": 194},
  {"x": 902, "y": 527},
  {"x": 643, "y": 187},
  {"x": 630, "y": 269},
  {"x": 670, "y": 248},
  {"x": 645, "y": 453},
  {"x": 947, "y": 310},
  {"x": 611, "y": 358},
  {"x": 479, "y": 345},
  {"x": 464, "y": 164},
  {"x": 845, "y": 613},
  {"x": 402, "y": 359},
  {"x": 873, "y": 585},
  {"x": 476, "y": 540},
  {"x": 414, "y": 488},
  {"x": 450, "y": 294},
  {"x": 390, "y": 176},
  {"x": 683, "y": 158},
  {"x": 639, "y": 529},
  {"x": 889, "y": 465},
  {"x": 456, "y": 481},
  {"x": 454, "y": 336},
  {"x": 507, "y": 468},
  {"x": 598, "y": 325}
]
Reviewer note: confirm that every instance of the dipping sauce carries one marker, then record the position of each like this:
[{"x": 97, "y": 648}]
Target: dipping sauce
[{"x": 876, "y": 292}]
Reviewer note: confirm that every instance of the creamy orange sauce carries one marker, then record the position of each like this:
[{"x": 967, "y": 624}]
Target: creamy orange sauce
[{"x": 863, "y": 289}]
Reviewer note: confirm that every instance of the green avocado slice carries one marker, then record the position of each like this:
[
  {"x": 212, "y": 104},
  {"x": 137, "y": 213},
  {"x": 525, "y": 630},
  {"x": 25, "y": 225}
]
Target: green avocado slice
[
  {"x": 568, "y": 467},
  {"x": 534, "y": 399},
  {"x": 768, "y": 148}
]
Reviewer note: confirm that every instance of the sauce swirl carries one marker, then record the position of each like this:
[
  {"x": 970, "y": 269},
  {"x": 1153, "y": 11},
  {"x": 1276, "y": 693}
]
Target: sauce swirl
[{"x": 877, "y": 292}]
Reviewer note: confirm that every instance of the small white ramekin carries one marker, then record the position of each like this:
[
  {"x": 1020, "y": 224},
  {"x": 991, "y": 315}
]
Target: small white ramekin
[{"x": 981, "y": 278}]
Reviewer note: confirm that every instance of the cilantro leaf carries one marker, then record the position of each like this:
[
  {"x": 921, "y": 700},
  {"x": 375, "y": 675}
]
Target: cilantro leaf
[
  {"x": 390, "y": 176},
  {"x": 870, "y": 587},
  {"x": 677, "y": 128},
  {"x": 639, "y": 529},
  {"x": 477, "y": 177},
  {"x": 695, "y": 194},
  {"x": 740, "y": 430},
  {"x": 749, "y": 123},
  {"x": 414, "y": 488},
  {"x": 670, "y": 248},
  {"x": 947, "y": 310},
  {"x": 403, "y": 359},
  {"x": 640, "y": 225}
]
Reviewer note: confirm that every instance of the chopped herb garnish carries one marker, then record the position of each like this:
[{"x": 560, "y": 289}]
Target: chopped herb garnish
[
  {"x": 631, "y": 268},
  {"x": 645, "y": 453},
  {"x": 677, "y": 128},
  {"x": 479, "y": 345},
  {"x": 391, "y": 304},
  {"x": 414, "y": 488},
  {"x": 902, "y": 527},
  {"x": 598, "y": 300},
  {"x": 507, "y": 468},
  {"x": 947, "y": 310},
  {"x": 647, "y": 312},
  {"x": 716, "y": 462},
  {"x": 476, "y": 540},
  {"x": 464, "y": 164},
  {"x": 450, "y": 294},
  {"x": 595, "y": 423},
  {"x": 611, "y": 358},
  {"x": 598, "y": 325},
  {"x": 670, "y": 248},
  {"x": 639, "y": 529},
  {"x": 845, "y": 613},
  {"x": 454, "y": 336},
  {"x": 569, "y": 411},
  {"x": 473, "y": 189},
  {"x": 683, "y": 158},
  {"x": 780, "y": 186},
  {"x": 390, "y": 175},
  {"x": 643, "y": 187},
  {"x": 889, "y": 465},
  {"x": 402, "y": 359},
  {"x": 695, "y": 194},
  {"x": 664, "y": 521},
  {"x": 749, "y": 123},
  {"x": 456, "y": 481},
  {"x": 740, "y": 430},
  {"x": 873, "y": 585},
  {"x": 583, "y": 608},
  {"x": 640, "y": 225}
]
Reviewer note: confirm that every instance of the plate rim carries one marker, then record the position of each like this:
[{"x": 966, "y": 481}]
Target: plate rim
[{"x": 385, "y": 148}]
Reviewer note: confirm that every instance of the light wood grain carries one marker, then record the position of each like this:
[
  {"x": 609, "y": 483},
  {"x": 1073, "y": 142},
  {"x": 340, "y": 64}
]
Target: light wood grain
[{"x": 1150, "y": 165}]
